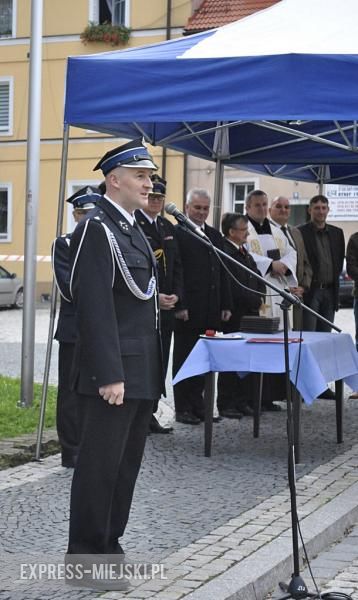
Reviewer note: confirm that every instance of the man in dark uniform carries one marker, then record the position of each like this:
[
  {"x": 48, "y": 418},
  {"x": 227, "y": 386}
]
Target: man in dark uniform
[
  {"x": 66, "y": 411},
  {"x": 117, "y": 369},
  {"x": 161, "y": 235},
  {"x": 206, "y": 302},
  {"x": 234, "y": 393}
]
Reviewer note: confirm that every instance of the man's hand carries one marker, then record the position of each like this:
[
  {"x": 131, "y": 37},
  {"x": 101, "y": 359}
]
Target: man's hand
[
  {"x": 298, "y": 291},
  {"x": 278, "y": 268},
  {"x": 167, "y": 301},
  {"x": 113, "y": 393},
  {"x": 225, "y": 315},
  {"x": 183, "y": 315}
]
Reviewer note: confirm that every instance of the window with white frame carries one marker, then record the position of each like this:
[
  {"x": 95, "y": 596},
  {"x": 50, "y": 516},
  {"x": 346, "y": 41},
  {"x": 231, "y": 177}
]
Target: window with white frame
[
  {"x": 5, "y": 212},
  {"x": 113, "y": 11},
  {"x": 5, "y": 105},
  {"x": 238, "y": 193},
  {"x": 6, "y": 18}
]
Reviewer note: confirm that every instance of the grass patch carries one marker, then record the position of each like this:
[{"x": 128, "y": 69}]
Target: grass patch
[{"x": 14, "y": 420}]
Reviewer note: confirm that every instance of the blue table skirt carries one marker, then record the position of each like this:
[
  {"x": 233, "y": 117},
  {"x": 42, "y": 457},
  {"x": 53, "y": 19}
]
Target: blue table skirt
[{"x": 324, "y": 357}]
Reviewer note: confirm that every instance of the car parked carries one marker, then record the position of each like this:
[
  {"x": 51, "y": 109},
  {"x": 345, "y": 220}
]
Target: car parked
[
  {"x": 346, "y": 285},
  {"x": 11, "y": 289}
]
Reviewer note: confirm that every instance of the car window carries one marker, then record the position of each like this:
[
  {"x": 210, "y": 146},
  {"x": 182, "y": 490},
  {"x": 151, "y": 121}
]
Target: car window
[{"x": 3, "y": 273}]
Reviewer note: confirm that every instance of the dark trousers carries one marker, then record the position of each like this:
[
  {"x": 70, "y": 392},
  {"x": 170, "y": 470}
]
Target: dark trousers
[
  {"x": 355, "y": 308},
  {"x": 321, "y": 301},
  {"x": 67, "y": 403},
  {"x": 188, "y": 394},
  {"x": 110, "y": 454},
  {"x": 234, "y": 391}
]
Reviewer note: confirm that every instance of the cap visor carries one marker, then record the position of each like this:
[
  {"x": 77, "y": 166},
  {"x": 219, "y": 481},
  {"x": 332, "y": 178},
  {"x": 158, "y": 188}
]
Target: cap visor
[{"x": 141, "y": 164}]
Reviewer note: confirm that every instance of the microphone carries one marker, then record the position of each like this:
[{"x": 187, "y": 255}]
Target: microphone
[{"x": 182, "y": 219}]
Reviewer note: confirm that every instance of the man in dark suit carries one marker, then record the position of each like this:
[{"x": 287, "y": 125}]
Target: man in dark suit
[
  {"x": 280, "y": 212},
  {"x": 235, "y": 394},
  {"x": 206, "y": 302},
  {"x": 325, "y": 250},
  {"x": 66, "y": 410},
  {"x": 117, "y": 367},
  {"x": 161, "y": 235}
]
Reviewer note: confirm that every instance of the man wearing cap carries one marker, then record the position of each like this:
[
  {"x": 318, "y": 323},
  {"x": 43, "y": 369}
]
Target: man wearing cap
[
  {"x": 161, "y": 235},
  {"x": 66, "y": 412},
  {"x": 117, "y": 367}
]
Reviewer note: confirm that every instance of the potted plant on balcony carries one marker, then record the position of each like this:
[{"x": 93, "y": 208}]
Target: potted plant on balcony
[{"x": 106, "y": 33}]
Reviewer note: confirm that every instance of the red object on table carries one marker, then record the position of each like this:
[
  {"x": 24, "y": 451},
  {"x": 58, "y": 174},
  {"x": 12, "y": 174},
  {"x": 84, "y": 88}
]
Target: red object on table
[{"x": 210, "y": 332}]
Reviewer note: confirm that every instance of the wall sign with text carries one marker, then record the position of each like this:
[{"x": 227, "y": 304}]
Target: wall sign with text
[{"x": 343, "y": 202}]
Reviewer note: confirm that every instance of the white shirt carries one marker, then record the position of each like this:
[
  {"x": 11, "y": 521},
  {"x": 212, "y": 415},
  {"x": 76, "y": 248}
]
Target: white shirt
[{"x": 126, "y": 215}]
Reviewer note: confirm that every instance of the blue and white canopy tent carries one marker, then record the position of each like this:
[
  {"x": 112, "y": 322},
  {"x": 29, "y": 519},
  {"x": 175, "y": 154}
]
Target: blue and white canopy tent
[{"x": 276, "y": 92}]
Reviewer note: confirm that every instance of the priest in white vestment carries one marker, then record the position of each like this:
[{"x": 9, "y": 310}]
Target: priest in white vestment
[{"x": 275, "y": 258}]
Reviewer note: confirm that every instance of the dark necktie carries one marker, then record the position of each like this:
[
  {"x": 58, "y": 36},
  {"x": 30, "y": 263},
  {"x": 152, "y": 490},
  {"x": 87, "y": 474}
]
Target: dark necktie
[{"x": 290, "y": 241}]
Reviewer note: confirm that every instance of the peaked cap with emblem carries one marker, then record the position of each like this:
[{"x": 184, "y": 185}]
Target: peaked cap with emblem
[
  {"x": 133, "y": 154},
  {"x": 85, "y": 198},
  {"x": 159, "y": 186}
]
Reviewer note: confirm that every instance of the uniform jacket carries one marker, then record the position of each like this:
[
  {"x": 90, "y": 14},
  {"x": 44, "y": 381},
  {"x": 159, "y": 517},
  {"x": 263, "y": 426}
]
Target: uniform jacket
[
  {"x": 206, "y": 286},
  {"x": 352, "y": 260},
  {"x": 336, "y": 242},
  {"x": 164, "y": 244},
  {"x": 119, "y": 338},
  {"x": 66, "y": 324},
  {"x": 244, "y": 301}
]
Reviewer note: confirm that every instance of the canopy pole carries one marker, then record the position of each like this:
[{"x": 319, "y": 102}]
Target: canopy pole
[
  {"x": 32, "y": 199},
  {"x": 59, "y": 227},
  {"x": 321, "y": 179},
  {"x": 218, "y": 190}
]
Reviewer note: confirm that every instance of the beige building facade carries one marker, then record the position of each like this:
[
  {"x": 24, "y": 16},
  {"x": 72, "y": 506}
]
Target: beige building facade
[{"x": 63, "y": 23}]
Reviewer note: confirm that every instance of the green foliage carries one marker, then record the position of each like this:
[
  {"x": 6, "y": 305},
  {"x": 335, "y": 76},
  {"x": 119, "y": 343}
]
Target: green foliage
[
  {"x": 14, "y": 420},
  {"x": 106, "y": 32}
]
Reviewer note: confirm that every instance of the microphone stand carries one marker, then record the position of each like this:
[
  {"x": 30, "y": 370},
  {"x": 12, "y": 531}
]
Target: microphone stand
[{"x": 297, "y": 588}]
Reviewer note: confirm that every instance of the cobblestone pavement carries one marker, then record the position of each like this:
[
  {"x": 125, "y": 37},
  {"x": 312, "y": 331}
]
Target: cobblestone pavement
[
  {"x": 334, "y": 570},
  {"x": 181, "y": 496}
]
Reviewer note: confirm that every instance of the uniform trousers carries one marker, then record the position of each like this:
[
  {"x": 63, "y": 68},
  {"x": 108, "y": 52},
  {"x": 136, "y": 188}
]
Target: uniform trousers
[
  {"x": 188, "y": 394},
  {"x": 110, "y": 454},
  {"x": 67, "y": 403}
]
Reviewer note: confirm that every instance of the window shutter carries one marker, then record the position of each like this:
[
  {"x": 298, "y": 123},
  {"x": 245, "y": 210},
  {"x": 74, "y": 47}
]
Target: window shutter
[{"x": 4, "y": 105}]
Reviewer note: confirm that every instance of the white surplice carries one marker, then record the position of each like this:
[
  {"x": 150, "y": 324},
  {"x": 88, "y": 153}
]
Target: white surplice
[{"x": 258, "y": 245}]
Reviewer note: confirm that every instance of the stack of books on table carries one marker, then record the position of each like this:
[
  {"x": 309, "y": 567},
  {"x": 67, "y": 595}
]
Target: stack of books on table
[{"x": 257, "y": 324}]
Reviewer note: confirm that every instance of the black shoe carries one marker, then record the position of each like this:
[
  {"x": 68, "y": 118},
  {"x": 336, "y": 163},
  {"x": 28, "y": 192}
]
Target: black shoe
[
  {"x": 246, "y": 410},
  {"x": 187, "y": 417},
  {"x": 201, "y": 415},
  {"x": 272, "y": 407},
  {"x": 328, "y": 395},
  {"x": 156, "y": 427},
  {"x": 103, "y": 572},
  {"x": 230, "y": 413}
]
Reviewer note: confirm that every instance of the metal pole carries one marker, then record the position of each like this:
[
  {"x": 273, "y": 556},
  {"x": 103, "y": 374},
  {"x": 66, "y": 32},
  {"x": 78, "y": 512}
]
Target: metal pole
[
  {"x": 218, "y": 190},
  {"x": 51, "y": 328},
  {"x": 32, "y": 196},
  {"x": 221, "y": 150}
]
